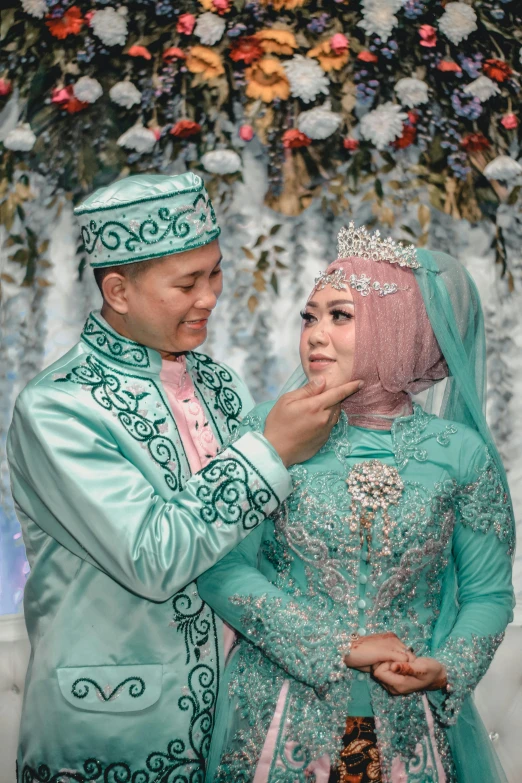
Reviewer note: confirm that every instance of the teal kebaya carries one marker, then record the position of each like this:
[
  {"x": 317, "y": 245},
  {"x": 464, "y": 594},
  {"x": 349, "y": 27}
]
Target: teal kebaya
[{"x": 126, "y": 658}]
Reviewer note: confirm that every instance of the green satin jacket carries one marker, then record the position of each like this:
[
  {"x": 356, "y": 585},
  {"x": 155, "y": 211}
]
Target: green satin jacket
[{"x": 126, "y": 658}]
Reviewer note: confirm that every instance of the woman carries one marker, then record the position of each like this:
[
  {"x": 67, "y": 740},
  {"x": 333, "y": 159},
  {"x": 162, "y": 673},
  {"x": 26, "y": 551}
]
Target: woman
[{"x": 371, "y": 604}]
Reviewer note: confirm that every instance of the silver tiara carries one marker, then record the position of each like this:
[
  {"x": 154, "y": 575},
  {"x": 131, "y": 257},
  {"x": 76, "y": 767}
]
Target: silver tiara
[
  {"x": 359, "y": 242},
  {"x": 363, "y": 284}
]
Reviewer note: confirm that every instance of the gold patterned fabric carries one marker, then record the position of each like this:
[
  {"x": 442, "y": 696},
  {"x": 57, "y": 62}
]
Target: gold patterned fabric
[{"x": 360, "y": 756}]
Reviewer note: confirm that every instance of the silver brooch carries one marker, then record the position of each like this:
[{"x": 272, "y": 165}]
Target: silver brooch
[
  {"x": 362, "y": 284},
  {"x": 359, "y": 242}
]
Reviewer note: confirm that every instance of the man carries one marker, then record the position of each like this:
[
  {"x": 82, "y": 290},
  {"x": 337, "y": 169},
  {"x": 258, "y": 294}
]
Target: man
[{"x": 126, "y": 658}]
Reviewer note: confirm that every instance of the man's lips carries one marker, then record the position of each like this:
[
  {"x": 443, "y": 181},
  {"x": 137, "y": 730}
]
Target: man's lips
[{"x": 200, "y": 324}]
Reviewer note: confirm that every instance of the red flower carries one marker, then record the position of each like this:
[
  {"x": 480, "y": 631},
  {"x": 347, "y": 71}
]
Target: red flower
[
  {"x": 139, "y": 51},
  {"x": 173, "y": 53},
  {"x": 367, "y": 57},
  {"x": 428, "y": 35},
  {"x": 450, "y": 66},
  {"x": 293, "y": 138},
  {"x": 69, "y": 24},
  {"x": 509, "y": 121},
  {"x": 474, "y": 142},
  {"x": 413, "y": 117},
  {"x": 5, "y": 87},
  {"x": 339, "y": 43},
  {"x": 497, "y": 70},
  {"x": 64, "y": 98},
  {"x": 409, "y": 134},
  {"x": 186, "y": 24},
  {"x": 246, "y": 50},
  {"x": 246, "y": 132},
  {"x": 185, "y": 128},
  {"x": 350, "y": 144}
]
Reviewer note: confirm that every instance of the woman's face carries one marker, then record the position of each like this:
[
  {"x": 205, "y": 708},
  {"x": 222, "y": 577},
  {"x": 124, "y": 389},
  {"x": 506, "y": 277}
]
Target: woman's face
[{"x": 327, "y": 344}]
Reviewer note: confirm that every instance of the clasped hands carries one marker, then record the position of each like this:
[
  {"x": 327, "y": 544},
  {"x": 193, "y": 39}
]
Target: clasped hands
[{"x": 394, "y": 665}]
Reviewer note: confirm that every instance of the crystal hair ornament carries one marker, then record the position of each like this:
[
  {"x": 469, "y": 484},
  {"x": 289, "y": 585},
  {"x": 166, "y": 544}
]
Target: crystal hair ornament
[
  {"x": 359, "y": 242},
  {"x": 362, "y": 284}
]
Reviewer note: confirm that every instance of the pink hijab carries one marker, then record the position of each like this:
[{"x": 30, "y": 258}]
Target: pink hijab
[{"x": 395, "y": 349}]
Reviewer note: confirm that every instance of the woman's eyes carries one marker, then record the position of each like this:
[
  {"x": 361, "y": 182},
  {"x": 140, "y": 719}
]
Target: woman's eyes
[{"x": 338, "y": 316}]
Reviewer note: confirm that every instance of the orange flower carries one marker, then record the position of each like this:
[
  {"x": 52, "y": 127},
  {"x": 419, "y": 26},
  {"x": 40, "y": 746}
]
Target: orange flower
[
  {"x": 328, "y": 58},
  {"x": 449, "y": 65},
  {"x": 173, "y": 53},
  {"x": 267, "y": 80},
  {"x": 207, "y": 62},
  {"x": 139, "y": 51},
  {"x": 185, "y": 128},
  {"x": 247, "y": 49},
  {"x": 69, "y": 24},
  {"x": 276, "y": 41},
  {"x": 287, "y": 5},
  {"x": 475, "y": 142},
  {"x": 217, "y": 6},
  {"x": 367, "y": 57},
  {"x": 293, "y": 138},
  {"x": 497, "y": 70}
]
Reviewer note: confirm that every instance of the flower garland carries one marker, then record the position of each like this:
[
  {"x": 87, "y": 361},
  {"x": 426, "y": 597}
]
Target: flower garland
[{"x": 326, "y": 87}]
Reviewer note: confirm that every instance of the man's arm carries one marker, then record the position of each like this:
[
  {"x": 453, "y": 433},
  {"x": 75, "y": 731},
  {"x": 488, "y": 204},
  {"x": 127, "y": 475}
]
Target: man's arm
[{"x": 66, "y": 468}]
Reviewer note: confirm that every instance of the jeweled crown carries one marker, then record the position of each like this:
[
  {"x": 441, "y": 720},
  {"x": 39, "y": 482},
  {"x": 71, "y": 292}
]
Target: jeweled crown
[{"x": 359, "y": 242}]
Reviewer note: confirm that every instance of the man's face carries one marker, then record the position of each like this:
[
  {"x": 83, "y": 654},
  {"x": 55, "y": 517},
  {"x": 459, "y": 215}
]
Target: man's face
[{"x": 168, "y": 305}]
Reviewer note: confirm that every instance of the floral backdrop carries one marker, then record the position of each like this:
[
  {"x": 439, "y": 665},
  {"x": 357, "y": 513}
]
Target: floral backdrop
[{"x": 403, "y": 114}]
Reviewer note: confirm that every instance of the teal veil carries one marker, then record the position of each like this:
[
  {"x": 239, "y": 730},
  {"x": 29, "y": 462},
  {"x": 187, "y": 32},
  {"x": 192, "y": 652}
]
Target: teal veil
[{"x": 455, "y": 313}]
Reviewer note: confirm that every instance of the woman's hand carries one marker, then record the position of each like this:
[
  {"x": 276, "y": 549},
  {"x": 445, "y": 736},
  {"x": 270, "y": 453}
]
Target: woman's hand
[
  {"x": 423, "y": 674},
  {"x": 368, "y": 651}
]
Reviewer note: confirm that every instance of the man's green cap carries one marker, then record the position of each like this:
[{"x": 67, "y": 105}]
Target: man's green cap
[{"x": 146, "y": 216}]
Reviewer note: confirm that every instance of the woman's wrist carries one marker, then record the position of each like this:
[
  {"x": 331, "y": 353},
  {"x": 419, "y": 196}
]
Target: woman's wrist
[{"x": 354, "y": 637}]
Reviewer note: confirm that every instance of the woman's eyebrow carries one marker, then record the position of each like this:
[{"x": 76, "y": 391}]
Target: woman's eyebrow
[{"x": 339, "y": 302}]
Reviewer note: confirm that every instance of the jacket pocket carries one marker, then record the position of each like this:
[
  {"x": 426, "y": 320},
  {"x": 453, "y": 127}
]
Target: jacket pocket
[{"x": 111, "y": 688}]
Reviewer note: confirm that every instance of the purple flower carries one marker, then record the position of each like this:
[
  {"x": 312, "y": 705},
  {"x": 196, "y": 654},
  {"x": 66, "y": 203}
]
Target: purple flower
[{"x": 466, "y": 105}]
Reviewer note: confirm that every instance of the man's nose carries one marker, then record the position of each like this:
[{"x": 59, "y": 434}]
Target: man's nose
[{"x": 207, "y": 299}]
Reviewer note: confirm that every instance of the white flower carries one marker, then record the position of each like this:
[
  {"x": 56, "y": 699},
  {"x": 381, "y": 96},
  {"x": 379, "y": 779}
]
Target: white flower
[
  {"x": 458, "y": 21},
  {"x": 412, "y": 92},
  {"x": 482, "y": 88},
  {"x": 110, "y": 26},
  {"x": 125, "y": 94},
  {"x": 210, "y": 28},
  {"x": 383, "y": 125},
  {"x": 221, "y": 161},
  {"x": 35, "y": 7},
  {"x": 138, "y": 138},
  {"x": 21, "y": 139},
  {"x": 503, "y": 167},
  {"x": 379, "y": 17},
  {"x": 87, "y": 90},
  {"x": 319, "y": 123},
  {"x": 306, "y": 78}
]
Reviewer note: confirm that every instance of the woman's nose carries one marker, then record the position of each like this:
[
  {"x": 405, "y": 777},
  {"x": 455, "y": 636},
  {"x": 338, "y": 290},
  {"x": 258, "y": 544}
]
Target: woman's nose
[{"x": 317, "y": 336}]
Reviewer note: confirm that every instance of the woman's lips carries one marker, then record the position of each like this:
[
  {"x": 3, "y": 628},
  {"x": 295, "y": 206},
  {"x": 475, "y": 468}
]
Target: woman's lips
[{"x": 320, "y": 362}]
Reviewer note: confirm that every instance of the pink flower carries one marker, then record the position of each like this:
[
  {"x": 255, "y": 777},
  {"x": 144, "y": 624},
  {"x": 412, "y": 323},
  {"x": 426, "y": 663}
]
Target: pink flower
[
  {"x": 186, "y": 24},
  {"x": 221, "y": 6},
  {"x": 350, "y": 144},
  {"x": 173, "y": 53},
  {"x": 88, "y": 16},
  {"x": 139, "y": 51},
  {"x": 156, "y": 131},
  {"x": 509, "y": 121},
  {"x": 5, "y": 87},
  {"x": 428, "y": 35},
  {"x": 246, "y": 132},
  {"x": 339, "y": 43}
]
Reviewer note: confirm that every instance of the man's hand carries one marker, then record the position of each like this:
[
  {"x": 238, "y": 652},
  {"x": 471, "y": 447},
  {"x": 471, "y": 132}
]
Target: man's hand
[
  {"x": 370, "y": 651},
  {"x": 423, "y": 674},
  {"x": 301, "y": 421}
]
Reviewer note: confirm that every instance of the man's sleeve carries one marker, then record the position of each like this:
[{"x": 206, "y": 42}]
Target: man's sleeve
[{"x": 67, "y": 468}]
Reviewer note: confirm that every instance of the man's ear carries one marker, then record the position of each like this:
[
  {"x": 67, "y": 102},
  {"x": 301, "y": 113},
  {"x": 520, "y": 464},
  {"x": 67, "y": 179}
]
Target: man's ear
[{"x": 114, "y": 288}]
